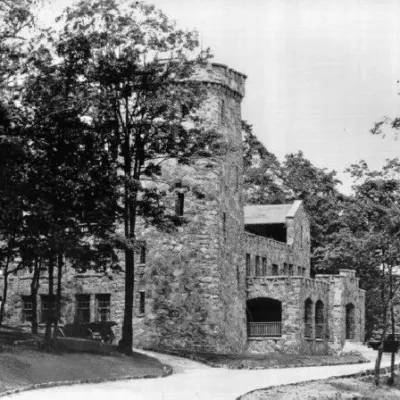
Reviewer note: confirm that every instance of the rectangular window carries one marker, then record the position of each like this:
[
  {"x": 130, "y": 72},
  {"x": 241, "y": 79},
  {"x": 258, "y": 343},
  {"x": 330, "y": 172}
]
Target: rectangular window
[
  {"x": 275, "y": 269},
  {"x": 179, "y": 204},
  {"x": 248, "y": 264},
  {"x": 258, "y": 272},
  {"x": 48, "y": 307},
  {"x": 27, "y": 309},
  {"x": 142, "y": 300},
  {"x": 291, "y": 269},
  {"x": 82, "y": 302},
  {"x": 103, "y": 305},
  {"x": 264, "y": 266},
  {"x": 304, "y": 271},
  {"x": 299, "y": 271}
]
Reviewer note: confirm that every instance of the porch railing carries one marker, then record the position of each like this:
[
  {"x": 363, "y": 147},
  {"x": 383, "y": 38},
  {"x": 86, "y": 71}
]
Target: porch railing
[{"x": 265, "y": 329}]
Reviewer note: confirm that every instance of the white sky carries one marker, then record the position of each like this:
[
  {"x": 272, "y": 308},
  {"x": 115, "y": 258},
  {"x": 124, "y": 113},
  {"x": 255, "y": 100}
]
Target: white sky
[{"x": 320, "y": 72}]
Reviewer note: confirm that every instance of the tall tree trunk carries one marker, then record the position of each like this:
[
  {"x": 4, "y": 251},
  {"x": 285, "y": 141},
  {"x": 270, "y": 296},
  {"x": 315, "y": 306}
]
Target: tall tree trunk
[
  {"x": 47, "y": 335},
  {"x": 385, "y": 303},
  {"x": 391, "y": 294},
  {"x": 377, "y": 373},
  {"x": 5, "y": 290},
  {"x": 6, "y": 273},
  {"x": 126, "y": 342},
  {"x": 60, "y": 264},
  {"x": 393, "y": 355},
  {"x": 34, "y": 290}
]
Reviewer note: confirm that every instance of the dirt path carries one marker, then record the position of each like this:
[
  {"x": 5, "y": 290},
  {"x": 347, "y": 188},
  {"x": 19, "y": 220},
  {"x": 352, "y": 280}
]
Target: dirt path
[{"x": 194, "y": 381}]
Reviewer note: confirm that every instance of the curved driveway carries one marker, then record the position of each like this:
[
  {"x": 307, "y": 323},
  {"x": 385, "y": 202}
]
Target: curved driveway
[{"x": 195, "y": 381}]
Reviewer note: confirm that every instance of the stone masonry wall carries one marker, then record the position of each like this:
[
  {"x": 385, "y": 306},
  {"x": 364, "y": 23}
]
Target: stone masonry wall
[
  {"x": 276, "y": 253},
  {"x": 344, "y": 290},
  {"x": 194, "y": 280},
  {"x": 298, "y": 236},
  {"x": 74, "y": 283},
  {"x": 292, "y": 292}
]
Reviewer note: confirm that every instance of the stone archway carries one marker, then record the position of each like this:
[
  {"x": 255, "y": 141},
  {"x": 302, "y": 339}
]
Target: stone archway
[
  {"x": 350, "y": 322},
  {"x": 264, "y": 317}
]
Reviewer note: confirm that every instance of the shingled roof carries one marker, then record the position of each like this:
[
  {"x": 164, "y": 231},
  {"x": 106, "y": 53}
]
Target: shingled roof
[{"x": 270, "y": 214}]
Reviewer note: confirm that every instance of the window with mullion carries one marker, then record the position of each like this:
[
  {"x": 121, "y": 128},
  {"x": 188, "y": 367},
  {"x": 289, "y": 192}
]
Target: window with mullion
[
  {"x": 27, "y": 309},
  {"x": 103, "y": 302},
  {"x": 48, "y": 306},
  {"x": 82, "y": 308}
]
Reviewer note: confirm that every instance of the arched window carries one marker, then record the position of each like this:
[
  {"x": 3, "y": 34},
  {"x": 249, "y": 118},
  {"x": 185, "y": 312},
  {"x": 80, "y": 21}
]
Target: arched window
[
  {"x": 308, "y": 306},
  {"x": 319, "y": 320},
  {"x": 350, "y": 321},
  {"x": 264, "y": 316}
]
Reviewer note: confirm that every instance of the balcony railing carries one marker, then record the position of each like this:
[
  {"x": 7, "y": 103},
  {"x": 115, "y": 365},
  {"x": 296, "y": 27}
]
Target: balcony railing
[
  {"x": 319, "y": 331},
  {"x": 265, "y": 329}
]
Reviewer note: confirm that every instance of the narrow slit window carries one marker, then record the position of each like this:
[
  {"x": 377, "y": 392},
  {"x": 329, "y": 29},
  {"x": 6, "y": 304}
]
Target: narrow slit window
[
  {"x": 264, "y": 266},
  {"x": 179, "y": 204},
  {"x": 142, "y": 254},
  {"x": 222, "y": 116},
  {"x": 275, "y": 269},
  {"x": 237, "y": 177},
  {"x": 258, "y": 272},
  {"x": 224, "y": 225},
  {"x": 248, "y": 264},
  {"x": 285, "y": 269}
]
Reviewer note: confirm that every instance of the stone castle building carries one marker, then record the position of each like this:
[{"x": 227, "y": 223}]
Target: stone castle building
[{"x": 234, "y": 278}]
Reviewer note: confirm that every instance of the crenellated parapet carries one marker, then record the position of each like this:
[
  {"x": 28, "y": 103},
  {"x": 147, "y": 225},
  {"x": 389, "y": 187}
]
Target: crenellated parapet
[
  {"x": 226, "y": 79},
  {"x": 287, "y": 281}
]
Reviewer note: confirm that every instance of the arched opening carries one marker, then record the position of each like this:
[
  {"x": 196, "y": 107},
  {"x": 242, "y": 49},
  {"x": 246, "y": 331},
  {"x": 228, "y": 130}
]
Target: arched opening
[
  {"x": 350, "y": 321},
  {"x": 319, "y": 320},
  {"x": 308, "y": 306},
  {"x": 264, "y": 317}
]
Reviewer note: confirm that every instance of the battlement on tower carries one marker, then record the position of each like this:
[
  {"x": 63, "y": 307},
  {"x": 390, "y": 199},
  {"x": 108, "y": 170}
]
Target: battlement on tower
[{"x": 223, "y": 76}]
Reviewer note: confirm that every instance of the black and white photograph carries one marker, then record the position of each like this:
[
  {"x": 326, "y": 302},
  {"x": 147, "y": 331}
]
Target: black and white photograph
[{"x": 199, "y": 199}]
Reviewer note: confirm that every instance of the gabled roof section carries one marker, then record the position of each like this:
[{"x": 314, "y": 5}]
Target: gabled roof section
[{"x": 270, "y": 214}]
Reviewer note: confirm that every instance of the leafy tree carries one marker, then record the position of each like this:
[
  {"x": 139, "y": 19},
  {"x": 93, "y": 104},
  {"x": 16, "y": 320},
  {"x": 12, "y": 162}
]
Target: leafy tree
[
  {"x": 262, "y": 171},
  {"x": 17, "y": 19},
  {"x": 267, "y": 181},
  {"x": 369, "y": 242},
  {"x": 136, "y": 66},
  {"x": 323, "y": 202},
  {"x": 68, "y": 192}
]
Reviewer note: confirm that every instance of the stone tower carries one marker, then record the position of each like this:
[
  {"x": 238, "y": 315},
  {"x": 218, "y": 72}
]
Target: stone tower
[{"x": 194, "y": 279}]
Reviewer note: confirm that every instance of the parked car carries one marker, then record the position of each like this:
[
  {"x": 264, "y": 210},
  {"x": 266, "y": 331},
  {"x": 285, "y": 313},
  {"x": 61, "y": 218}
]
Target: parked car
[
  {"x": 101, "y": 330},
  {"x": 390, "y": 345}
]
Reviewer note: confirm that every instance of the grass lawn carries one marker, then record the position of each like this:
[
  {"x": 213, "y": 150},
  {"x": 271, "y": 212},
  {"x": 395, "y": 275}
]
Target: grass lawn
[
  {"x": 342, "y": 388},
  {"x": 22, "y": 366},
  {"x": 273, "y": 360}
]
